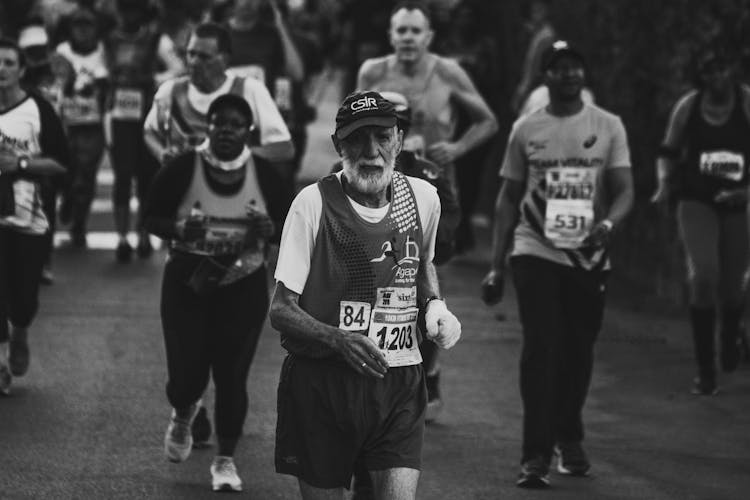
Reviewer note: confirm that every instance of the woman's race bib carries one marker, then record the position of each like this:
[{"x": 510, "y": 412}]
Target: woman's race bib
[
  {"x": 570, "y": 206},
  {"x": 79, "y": 110},
  {"x": 723, "y": 165}
]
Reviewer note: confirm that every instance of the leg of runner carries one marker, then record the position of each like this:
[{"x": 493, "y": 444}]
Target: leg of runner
[
  {"x": 429, "y": 352},
  {"x": 28, "y": 253},
  {"x": 395, "y": 484},
  {"x": 583, "y": 300},
  {"x": 187, "y": 339},
  {"x": 144, "y": 172},
  {"x": 124, "y": 157},
  {"x": 312, "y": 493},
  {"x": 238, "y": 313},
  {"x": 734, "y": 264},
  {"x": 86, "y": 149},
  {"x": 699, "y": 230},
  {"x": 538, "y": 290}
]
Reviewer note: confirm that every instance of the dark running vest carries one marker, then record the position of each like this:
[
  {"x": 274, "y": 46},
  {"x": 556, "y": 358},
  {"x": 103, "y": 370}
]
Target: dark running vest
[
  {"x": 187, "y": 127},
  {"x": 717, "y": 156},
  {"x": 363, "y": 275}
]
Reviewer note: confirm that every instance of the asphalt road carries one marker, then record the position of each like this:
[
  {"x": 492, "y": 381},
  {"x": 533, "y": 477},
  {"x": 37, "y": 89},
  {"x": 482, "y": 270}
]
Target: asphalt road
[{"x": 88, "y": 419}]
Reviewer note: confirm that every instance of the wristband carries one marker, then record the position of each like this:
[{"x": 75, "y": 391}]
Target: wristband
[
  {"x": 607, "y": 223},
  {"x": 430, "y": 299}
]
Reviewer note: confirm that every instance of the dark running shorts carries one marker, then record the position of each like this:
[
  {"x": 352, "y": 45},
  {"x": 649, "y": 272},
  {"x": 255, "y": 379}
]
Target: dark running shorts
[{"x": 329, "y": 417}]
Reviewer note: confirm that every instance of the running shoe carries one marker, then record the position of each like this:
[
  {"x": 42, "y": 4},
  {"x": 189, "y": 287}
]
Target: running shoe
[
  {"x": 571, "y": 459},
  {"x": 5, "y": 379},
  {"x": 178, "y": 440},
  {"x": 18, "y": 359},
  {"x": 201, "y": 429},
  {"x": 224, "y": 475},
  {"x": 534, "y": 474},
  {"x": 434, "y": 401},
  {"x": 124, "y": 252},
  {"x": 704, "y": 387}
]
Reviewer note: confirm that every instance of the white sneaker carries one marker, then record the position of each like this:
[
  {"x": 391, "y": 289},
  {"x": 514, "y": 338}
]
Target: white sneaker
[
  {"x": 224, "y": 475},
  {"x": 178, "y": 440}
]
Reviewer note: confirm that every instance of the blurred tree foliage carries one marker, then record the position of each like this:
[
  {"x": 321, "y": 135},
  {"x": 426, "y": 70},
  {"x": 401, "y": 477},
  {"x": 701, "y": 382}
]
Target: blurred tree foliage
[{"x": 640, "y": 58}]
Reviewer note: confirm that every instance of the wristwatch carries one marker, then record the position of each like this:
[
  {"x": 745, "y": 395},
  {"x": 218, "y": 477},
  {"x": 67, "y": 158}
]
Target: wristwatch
[
  {"x": 607, "y": 223},
  {"x": 23, "y": 163},
  {"x": 430, "y": 299}
]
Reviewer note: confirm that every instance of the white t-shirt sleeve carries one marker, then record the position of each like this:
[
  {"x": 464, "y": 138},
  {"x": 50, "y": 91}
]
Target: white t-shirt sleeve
[
  {"x": 298, "y": 239},
  {"x": 619, "y": 153},
  {"x": 267, "y": 115},
  {"x": 163, "y": 95},
  {"x": 428, "y": 206}
]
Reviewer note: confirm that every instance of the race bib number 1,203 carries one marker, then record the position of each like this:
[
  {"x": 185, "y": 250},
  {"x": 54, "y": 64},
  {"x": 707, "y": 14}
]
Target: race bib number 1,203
[
  {"x": 395, "y": 333},
  {"x": 570, "y": 208}
]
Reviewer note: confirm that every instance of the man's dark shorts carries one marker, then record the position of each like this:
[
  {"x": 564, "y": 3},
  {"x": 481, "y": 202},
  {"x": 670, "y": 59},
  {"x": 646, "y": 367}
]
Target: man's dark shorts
[{"x": 329, "y": 417}]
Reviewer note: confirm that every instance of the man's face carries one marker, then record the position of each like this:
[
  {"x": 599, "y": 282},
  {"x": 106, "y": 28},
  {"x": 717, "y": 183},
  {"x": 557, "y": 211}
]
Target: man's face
[
  {"x": 228, "y": 130},
  {"x": 565, "y": 78},
  {"x": 10, "y": 69},
  {"x": 717, "y": 76},
  {"x": 247, "y": 10},
  {"x": 410, "y": 35},
  {"x": 204, "y": 61},
  {"x": 369, "y": 156},
  {"x": 83, "y": 34}
]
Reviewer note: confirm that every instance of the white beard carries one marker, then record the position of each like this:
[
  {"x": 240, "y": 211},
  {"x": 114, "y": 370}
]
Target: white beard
[{"x": 368, "y": 184}]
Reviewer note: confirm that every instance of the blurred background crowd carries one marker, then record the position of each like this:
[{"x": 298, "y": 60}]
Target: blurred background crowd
[{"x": 640, "y": 57}]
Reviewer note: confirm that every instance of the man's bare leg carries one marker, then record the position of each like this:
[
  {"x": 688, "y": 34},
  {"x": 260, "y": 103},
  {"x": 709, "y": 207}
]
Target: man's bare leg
[
  {"x": 395, "y": 484},
  {"x": 312, "y": 493}
]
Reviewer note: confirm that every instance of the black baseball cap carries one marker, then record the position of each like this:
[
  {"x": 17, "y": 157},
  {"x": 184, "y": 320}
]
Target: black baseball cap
[
  {"x": 83, "y": 15},
  {"x": 231, "y": 101},
  {"x": 560, "y": 48},
  {"x": 362, "y": 109}
]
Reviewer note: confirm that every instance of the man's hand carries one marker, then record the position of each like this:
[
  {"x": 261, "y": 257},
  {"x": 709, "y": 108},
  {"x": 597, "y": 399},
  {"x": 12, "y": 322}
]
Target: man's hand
[
  {"x": 598, "y": 236},
  {"x": 168, "y": 155},
  {"x": 362, "y": 353},
  {"x": 493, "y": 286},
  {"x": 731, "y": 197},
  {"x": 191, "y": 228},
  {"x": 443, "y": 327},
  {"x": 443, "y": 153}
]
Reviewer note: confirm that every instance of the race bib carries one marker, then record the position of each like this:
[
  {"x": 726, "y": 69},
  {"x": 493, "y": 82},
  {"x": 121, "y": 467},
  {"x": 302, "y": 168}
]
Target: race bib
[
  {"x": 354, "y": 316},
  {"x": 723, "y": 165},
  {"x": 79, "y": 110},
  {"x": 249, "y": 71},
  {"x": 128, "y": 104},
  {"x": 395, "y": 333},
  {"x": 223, "y": 237},
  {"x": 570, "y": 208}
]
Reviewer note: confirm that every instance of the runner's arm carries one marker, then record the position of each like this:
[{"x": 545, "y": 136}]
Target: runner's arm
[
  {"x": 368, "y": 74},
  {"x": 172, "y": 62},
  {"x": 671, "y": 147},
  {"x": 358, "y": 350},
  {"x": 483, "y": 126},
  {"x": 506, "y": 218},
  {"x": 620, "y": 182},
  {"x": 292, "y": 60}
]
